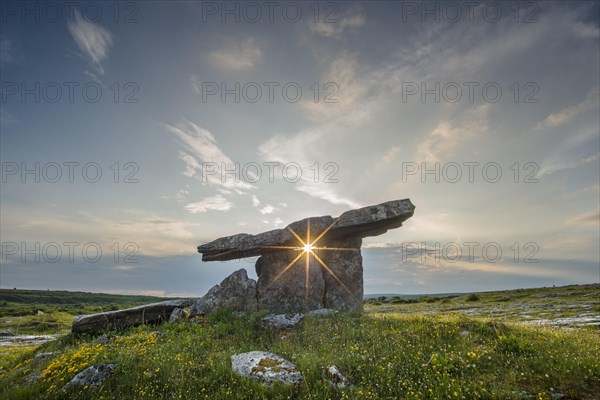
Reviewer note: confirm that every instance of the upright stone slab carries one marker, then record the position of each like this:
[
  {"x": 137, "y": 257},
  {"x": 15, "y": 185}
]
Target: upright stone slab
[
  {"x": 344, "y": 276},
  {"x": 312, "y": 263},
  {"x": 289, "y": 292}
]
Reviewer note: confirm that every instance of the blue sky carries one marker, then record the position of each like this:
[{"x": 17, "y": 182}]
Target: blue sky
[{"x": 161, "y": 97}]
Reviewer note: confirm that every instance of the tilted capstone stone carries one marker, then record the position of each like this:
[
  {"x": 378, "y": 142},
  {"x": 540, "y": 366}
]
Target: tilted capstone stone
[{"x": 313, "y": 263}]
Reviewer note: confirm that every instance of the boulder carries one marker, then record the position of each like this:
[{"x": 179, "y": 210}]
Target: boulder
[
  {"x": 91, "y": 376},
  {"x": 237, "y": 292},
  {"x": 265, "y": 367},
  {"x": 122, "y": 319}
]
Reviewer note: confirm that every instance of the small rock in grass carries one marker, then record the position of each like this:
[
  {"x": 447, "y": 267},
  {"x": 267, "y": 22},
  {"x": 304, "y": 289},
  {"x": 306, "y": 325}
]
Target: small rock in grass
[
  {"x": 159, "y": 335},
  {"x": 43, "y": 356},
  {"x": 464, "y": 333},
  {"x": 266, "y": 368},
  {"x": 104, "y": 339},
  {"x": 281, "y": 321},
  {"x": 91, "y": 376},
  {"x": 321, "y": 312},
  {"x": 335, "y": 378},
  {"x": 32, "y": 378}
]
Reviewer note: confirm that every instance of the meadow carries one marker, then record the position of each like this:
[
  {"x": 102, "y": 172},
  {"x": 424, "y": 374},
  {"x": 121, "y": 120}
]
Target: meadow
[{"x": 520, "y": 344}]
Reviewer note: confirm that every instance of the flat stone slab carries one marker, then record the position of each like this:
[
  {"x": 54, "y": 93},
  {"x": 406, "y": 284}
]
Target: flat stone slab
[
  {"x": 266, "y": 367},
  {"x": 121, "y": 319},
  {"x": 367, "y": 221}
]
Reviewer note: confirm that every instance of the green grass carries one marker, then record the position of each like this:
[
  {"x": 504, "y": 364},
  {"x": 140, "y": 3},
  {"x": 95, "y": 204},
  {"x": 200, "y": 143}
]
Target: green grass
[
  {"x": 20, "y": 309},
  {"x": 424, "y": 350},
  {"x": 385, "y": 356}
]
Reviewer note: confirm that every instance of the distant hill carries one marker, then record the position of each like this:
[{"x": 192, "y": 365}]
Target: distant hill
[
  {"x": 498, "y": 292},
  {"x": 18, "y": 302},
  {"x": 409, "y": 296}
]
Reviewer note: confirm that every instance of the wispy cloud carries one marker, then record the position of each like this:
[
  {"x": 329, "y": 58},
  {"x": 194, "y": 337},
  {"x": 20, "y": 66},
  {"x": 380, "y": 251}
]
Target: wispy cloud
[
  {"x": 591, "y": 102},
  {"x": 93, "y": 40},
  {"x": 336, "y": 28},
  {"x": 391, "y": 153},
  {"x": 150, "y": 233},
  {"x": 344, "y": 91},
  {"x": 6, "y": 117},
  {"x": 571, "y": 151},
  {"x": 217, "y": 203},
  {"x": 237, "y": 56},
  {"x": 203, "y": 147},
  {"x": 302, "y": 148},
  {"x": 6, "y": 55},
  {"x": 449, "y": 135},
  {"x": 589, "y": 218}
]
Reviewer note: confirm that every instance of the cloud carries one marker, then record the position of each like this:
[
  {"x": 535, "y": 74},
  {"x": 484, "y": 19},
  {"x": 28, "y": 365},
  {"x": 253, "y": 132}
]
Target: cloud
[
  {"x": 218, "y": 203},
  {"x": 336, "y": 28},
  {"x": 554, "y": 164},
  {"x": 237, "y": 56},
  {"x": 255, "y": 201},
  {"x": 124, "y": 267},
  {"x": 205, "y": 153},
  {"x": 150, "y": 233},
  {"x": 391, "y": 153},
  {"x": 6, "y": 117},
  {"x": 343, "y": 91},
  {"x": 92, "y": 39},
  {"x": 571, "y": 151},
  {"x": 191, "y": 164},
  {"x": 326, "y": 192},
  {"x": 591, "y": 102},
  {"x": 268, "y": 209},
  {"x": 589, "y": 218},
  {"x": 300, "y": 148},
  {"x": 6, "y": 55},
  {"x": 449, "y": 135}
]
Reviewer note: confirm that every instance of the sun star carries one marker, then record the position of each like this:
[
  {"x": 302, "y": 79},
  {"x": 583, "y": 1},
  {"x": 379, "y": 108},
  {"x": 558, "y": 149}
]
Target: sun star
[{"x": 306, "y": 248}]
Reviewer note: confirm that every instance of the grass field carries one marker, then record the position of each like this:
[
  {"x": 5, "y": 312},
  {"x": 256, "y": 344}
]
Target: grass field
[
  {"x": 496, "y": 345},
  {"x": 45, "y": 311}
]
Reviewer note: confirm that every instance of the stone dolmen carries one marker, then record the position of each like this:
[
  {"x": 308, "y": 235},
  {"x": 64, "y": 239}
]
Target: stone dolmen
[{"x": 310, "y": 264}]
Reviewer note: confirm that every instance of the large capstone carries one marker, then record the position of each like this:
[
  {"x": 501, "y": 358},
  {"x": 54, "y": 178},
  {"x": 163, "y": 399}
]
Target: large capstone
[{"x": 312, "y": 263}]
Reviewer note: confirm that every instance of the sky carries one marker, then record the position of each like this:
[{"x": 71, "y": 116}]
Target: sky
[{"x": 132, "y": 132}]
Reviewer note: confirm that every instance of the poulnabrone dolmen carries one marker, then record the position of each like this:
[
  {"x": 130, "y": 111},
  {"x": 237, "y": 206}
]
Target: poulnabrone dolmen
[{"x": 311, "y": 264}]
